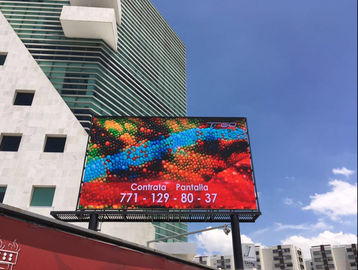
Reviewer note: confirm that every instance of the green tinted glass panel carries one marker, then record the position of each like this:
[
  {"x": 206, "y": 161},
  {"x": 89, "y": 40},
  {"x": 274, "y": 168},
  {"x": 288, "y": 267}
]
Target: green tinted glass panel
[
  {"x": 2, "y": 58},
  {"x": 42, "y": 196},
  {"x": 2, "y": 193}
]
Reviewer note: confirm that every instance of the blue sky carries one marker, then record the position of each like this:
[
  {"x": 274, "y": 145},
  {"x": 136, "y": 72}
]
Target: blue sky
[{"x": 289, "y": 67}]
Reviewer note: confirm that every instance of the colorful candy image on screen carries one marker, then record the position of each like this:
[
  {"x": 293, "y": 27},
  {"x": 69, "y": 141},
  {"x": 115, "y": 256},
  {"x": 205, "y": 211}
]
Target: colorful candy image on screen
[{"x": 174, "y": 163}]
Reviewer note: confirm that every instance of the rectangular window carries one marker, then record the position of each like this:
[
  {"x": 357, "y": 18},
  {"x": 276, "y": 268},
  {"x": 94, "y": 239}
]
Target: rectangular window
[
  {"x": 351, "y": 257},
  {"x": 42, "y": 196},
  {"x": 23, "y": 98},
  {"x": 10, "y": 143},
  {"x": 2, "y": 193},
  {"x": 2, "y": 58},
  {"x": 55, "y": 144}
]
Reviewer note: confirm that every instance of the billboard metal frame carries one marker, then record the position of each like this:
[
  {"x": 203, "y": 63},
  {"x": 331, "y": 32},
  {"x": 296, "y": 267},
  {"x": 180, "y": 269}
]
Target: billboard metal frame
[
  {"x": 157, "y": 215},
  {"x": 163, "y": 214}
]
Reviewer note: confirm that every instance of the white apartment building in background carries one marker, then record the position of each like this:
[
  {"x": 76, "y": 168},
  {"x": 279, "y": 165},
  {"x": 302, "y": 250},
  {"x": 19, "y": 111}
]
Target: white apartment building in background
[
  {"x": 288, "y": 257},
  {"x": 227, "y": 261},
  {"x": 219, "y": 262},
  {"x": 337, "y": 257},
  {"x": 309, "y": 264}
]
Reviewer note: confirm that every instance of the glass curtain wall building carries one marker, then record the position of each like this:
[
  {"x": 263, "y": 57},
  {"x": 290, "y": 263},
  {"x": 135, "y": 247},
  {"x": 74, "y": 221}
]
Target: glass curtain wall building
[
  {"x": 146, "y": 76},
  {"x": 165, "y": 229}
]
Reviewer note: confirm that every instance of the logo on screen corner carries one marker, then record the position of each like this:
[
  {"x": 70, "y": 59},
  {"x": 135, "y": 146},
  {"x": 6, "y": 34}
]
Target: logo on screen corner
[
  {"x": 9, "y": 253},
  {"x": 222, "y": 124}
]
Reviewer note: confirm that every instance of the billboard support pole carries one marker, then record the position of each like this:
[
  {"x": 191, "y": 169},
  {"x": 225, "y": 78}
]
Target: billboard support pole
[
  {"x": 236, "y": 243},
  {"x": 93, "y": 222}
]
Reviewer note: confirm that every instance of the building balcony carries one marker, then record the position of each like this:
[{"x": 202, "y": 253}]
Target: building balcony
[
  {"x": 90, "y": 22},
  {"x": 115, "y": 4}
]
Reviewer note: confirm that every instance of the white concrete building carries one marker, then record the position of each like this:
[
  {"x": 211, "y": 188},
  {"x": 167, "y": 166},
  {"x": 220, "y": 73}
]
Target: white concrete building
[
  {"x": 287, "y": 257},
  {"x": 309, "y": 264},
  {"x": 29, "y": 167},
  {"x": 62, "y": 62},
  {"x": 34, "y": 179},
  {"x": 338, "y": 257},
  {"x": 184, "y": 250},
  {"x": 227, "y": 261},
  {"x": 217, "y": 261}
]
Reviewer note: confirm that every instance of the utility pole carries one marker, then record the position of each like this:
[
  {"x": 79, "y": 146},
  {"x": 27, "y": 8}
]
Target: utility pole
[
  {"x": 93, "y": 222},
  {"x": 236, "y": 243}
]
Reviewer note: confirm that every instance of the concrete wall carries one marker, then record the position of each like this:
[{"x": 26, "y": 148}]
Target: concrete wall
[
  {"x": 340, "y": 258},
  {"x": 183, "y": 250},
  {"x": 48, "y": 115}
]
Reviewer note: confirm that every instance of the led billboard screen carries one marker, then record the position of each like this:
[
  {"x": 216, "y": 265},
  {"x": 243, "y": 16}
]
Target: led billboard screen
[{"x": 172, "y": 163}]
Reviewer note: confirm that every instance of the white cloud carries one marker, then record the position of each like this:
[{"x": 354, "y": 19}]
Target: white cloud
[
  {"x": 288, "y": 201},
  {"x": 344, "y": 171},
  {"x": 290, "y": 178},
  {"x": 259, "y": 232},
  {"x": 281, "y": 227},
  {"x": 341, "y": 201},
  {"x": 246, "y": 240},
  {"x": 291, "y": 202},
  {"x": 320, "y": 225},
  {"x": 323, "y": 238},
  {"x": 217, "y": 242}
]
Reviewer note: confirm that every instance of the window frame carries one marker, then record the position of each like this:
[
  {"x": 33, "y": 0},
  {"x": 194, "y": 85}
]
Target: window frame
[
  {"x": 63, "y": 136},
  {"x": 21, "y": 91},
  {"x": 2, "y": 135},
  {"x": 2, "y": 53},
  {"x": 42, "y": 186},
  {"x": 5, "y": 189}
]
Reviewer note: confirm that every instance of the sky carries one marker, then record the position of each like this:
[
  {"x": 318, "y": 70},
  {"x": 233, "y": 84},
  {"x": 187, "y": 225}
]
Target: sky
[{"x": 289, "y": 67}]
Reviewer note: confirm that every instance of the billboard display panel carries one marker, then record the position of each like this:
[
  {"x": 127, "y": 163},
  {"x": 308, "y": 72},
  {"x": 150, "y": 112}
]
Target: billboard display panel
[{"x": 171, "y": 163}]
